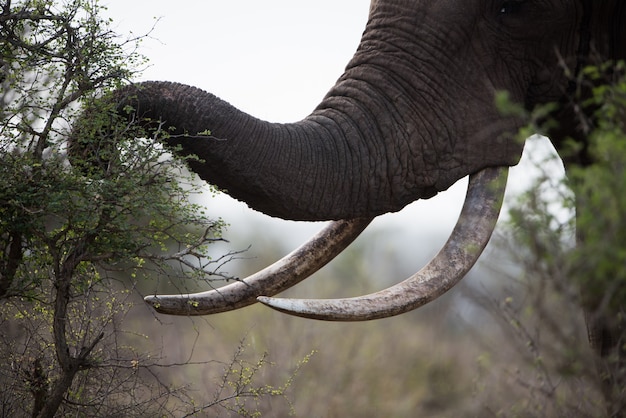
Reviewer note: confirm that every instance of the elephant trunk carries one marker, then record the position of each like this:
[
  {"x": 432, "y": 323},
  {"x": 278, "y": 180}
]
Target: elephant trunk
[
  {"x": 384, "y": 136},
  {"x": 320, "y": 168}
]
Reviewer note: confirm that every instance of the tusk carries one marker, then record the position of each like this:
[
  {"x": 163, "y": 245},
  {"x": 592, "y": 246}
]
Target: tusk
[
  {"x": 286, "y": 272},
  {"x": 467, "y": 241}
]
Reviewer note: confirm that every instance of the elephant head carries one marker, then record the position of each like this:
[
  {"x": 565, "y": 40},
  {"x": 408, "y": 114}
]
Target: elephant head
[{"x": 413, "y": 113}]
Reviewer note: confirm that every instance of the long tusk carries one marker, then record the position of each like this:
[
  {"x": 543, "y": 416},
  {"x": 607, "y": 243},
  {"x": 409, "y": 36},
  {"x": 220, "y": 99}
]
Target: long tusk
[
  {"x": 286, "y": 272},
  {"x": 467, "y": 241}
]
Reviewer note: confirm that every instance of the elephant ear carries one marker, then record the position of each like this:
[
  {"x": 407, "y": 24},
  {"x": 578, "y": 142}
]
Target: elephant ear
[{"x": 467, "y": 241}]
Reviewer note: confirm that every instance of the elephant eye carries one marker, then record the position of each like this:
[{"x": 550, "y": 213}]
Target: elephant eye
[{"x": 510, "y": 7}]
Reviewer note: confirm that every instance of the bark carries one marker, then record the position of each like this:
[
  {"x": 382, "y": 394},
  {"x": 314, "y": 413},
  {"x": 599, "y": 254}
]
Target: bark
[
  {"x": 12, "y": 259},
  {"x": 69, "y": 364}
]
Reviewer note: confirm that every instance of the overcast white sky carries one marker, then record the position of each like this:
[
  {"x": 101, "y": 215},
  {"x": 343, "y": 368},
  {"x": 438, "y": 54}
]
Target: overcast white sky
[{"x": 274, "y": 59}]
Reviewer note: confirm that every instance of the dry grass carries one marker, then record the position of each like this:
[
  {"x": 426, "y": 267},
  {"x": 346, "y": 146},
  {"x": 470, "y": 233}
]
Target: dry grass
[{"x": 481, "y": 350}]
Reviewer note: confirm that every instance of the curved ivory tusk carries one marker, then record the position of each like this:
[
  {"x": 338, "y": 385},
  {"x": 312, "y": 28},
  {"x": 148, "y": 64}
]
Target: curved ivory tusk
[
  {"x": 286, "y": 272},
  {"x": 467, "y": 241}
]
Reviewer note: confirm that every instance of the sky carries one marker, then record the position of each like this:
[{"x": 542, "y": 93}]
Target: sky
[{"x": 274, "y": 59}]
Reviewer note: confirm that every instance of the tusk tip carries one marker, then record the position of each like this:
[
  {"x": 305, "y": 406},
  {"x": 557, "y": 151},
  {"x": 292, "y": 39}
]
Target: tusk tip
[
  {"x": 174, "y": 304},
  {"x": 289, "y": 306},
  {"x": 321, "y": 309},
  {"x": 154, "y": 301},
  {"x": 151, "y": 300},
  {"x": 266, "y": 300}
]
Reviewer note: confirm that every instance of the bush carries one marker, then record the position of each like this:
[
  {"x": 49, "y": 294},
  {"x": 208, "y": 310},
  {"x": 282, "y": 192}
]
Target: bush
[
  {"x": 77, "y": 234},
  {"x": 569, "y": 239}
]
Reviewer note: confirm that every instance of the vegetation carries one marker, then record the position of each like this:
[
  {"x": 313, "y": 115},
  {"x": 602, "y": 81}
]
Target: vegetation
[
  {"x": 83, "y": 222},
  {"x": 568, "y": 237}
]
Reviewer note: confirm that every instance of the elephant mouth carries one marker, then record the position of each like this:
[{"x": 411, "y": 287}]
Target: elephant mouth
[{"x": 461, "y": 251}]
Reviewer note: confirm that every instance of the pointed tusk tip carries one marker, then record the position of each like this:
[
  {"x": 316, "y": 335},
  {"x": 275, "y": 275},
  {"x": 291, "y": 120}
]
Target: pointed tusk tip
[
  {"x": 171, "y": 304},
  {"x": 304, "y": 308},
  {"x": 280, "y": 304},
  {"x": 265, "y": 300},
  {"x": 154, "y": 301}
]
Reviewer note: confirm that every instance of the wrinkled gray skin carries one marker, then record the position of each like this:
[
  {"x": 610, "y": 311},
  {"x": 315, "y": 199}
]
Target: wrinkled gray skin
[{"x": 413, "y": 113}]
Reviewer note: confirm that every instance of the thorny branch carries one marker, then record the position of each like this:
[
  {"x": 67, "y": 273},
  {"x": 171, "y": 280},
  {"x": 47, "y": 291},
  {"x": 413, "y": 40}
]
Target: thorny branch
[{"x": 194, "y": 257}]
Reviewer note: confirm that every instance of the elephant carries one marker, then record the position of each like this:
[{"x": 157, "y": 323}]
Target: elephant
[{"x": 413, "y": 113}]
